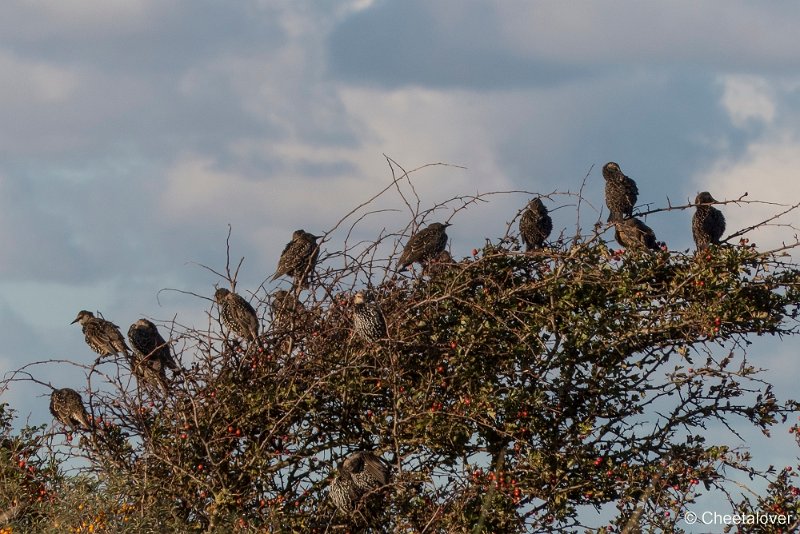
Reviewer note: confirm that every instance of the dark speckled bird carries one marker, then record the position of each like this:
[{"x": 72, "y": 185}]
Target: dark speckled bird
[
  {"x": 285, "y": 307},
  {"x": 359, "y": 474},
  {"x": 368, "y": 319},
  {"x": 298, "y": 258},
  {"x": 102, "y": 336},
  {"x": 634, "y": 234},
  {"x": 439, "y": 264},
  {"x": 708, "y": 223},
  {"x": 67, "y": 407},
  {"x": 424, "y": 245},
  {"x": 152, "y": 353},
  {"x": 237, "y": 314},
  {"x": 535, "y": 224},
  {"x": 621, "y": 192}
]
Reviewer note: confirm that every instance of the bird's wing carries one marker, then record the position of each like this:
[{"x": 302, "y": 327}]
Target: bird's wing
[
  {"x": 245, "y": 313},
  {"x": 376, "y": 468},
  {"x": 284, "y": 264}
]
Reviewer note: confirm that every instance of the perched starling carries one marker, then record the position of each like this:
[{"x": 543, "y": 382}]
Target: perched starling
[
  {"x": 535, "y": 225},
  {"x": 285, "y": 302},
  {"x": 237, "y": 314},
  {"x": 102, "y": 336},
  {"x": 438, "y": 264},
  {"x": 708, "y": 223},
  {"x": 359, "y": 474},
  {"x": 298, "y": 258},
  {"x": 290, "y": 320},
  {"x": 67, "y": 407},
  {"x": 424, "y": 245},
  {"x": 634, "y": 234},
  {"x": 152, "y": 353},
  {"x": 621, "y": 192},
  {"x": 343, "y": 493},
  {"x": 368, "y": 319}
]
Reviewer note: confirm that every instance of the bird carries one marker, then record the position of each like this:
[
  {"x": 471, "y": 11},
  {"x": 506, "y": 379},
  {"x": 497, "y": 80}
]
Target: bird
[
  {"x": 237, "y": 314},
  {"x": 424, "y": 245},
  {"x": 152, "y": 353},
  {"x": 439, "y": 264},
  {"x": 634, "y": 234},
  {"x": 368, "y": 319},
  {"x": 298, "y": 258},
  {"x": 708, "y": 223},
  {"x": 359, "y": 474},
  {"x": 102, "y": 336},
  {"x": 286, "y": 308},
  {"x": 67, "y": 407},
  {"x": 621, "y": 192},
  {"x": 535, "y": 224}
]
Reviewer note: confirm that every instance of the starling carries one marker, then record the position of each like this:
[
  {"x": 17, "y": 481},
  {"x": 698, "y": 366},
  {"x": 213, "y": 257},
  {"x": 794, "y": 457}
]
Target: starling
[
  {"x": 535, "y": 225},
  {"x": 343, "y": 493},
  {"x": 634, "y": 234},
  {"x": 286, "y": 308},
  {"x": 438, "y": 264},
  {"x": 102, "y": 336},
  {"x": 368, "y": 319},
  {"x": 152, "y": 353},
  {"x": 290, "y": 320},
  {"x": 708, "y": 223},
  {"x": 621, "y": 192},
  {"x": 237, "y": 314},
  {"x": 67, "y": 407},
  {"x": 424, "y": 245},
  {"x": 298, "y": 257},
  {"x": 359, "y": 474}
]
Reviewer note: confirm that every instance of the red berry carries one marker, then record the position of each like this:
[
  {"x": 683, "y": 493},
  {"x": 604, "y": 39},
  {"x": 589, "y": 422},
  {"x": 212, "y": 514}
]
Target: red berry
[{"x": 474, "y": 251}]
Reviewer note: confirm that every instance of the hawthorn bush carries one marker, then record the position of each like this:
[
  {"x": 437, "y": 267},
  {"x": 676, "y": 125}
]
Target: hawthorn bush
[{"x": 515, "y": 389}]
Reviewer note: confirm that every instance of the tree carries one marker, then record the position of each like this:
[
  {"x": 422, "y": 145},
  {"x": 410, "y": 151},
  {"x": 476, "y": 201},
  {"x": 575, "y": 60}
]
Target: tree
[{"x": 514, "y": 389}]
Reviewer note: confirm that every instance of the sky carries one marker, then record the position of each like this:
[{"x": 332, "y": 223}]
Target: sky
[{"x": 135, "y": 131}]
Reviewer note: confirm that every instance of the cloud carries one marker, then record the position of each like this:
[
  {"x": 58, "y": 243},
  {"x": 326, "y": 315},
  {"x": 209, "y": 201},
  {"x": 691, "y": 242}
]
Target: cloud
[
  {"x": 767, "y": 171},
  {"x": 747, "y": 98},
  {"x": 34, "y": 82},
  {"x": 51, "y": 18},
  {"x": 459, "y": 43}
]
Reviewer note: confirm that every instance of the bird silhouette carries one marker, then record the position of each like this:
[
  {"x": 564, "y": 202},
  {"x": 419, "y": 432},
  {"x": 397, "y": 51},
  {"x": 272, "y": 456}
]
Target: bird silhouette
[
  {"x": 298, "y": 258},
  {"x": 635, "y": 235},
  {"x": 152, "y": 353},
  {"x": 360, "y": 474},
  {"x": 237, "y": 314},
  {"x": 708, "y": 223},
  {"x": 424, "y": 245},
  {"x": 535, "y": 225},
  {"x": 102, "y": 336},
  {"x": 67, "y": 407},
  {"x": 368, "y": 319},
  {"x": 621, "y": 192}
]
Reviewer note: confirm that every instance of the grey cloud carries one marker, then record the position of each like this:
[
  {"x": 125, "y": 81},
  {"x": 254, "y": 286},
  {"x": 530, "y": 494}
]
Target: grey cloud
[
  {"x": 397, "y": 44},
  {"x": 157, "y": 36},
  {"x": 468, "y": 44}
]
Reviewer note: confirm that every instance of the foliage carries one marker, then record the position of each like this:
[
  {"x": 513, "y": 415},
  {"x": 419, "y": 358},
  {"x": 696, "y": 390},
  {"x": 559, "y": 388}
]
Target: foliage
[{"x": 514, "y": 390}]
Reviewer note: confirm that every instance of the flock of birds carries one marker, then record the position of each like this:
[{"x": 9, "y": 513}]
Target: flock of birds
[{"x": 362, "y": 472}]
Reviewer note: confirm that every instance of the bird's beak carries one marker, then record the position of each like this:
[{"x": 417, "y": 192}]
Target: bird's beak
[
  {"x": 75, "y": 321},
  {"x": 448, "y": 224}
]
